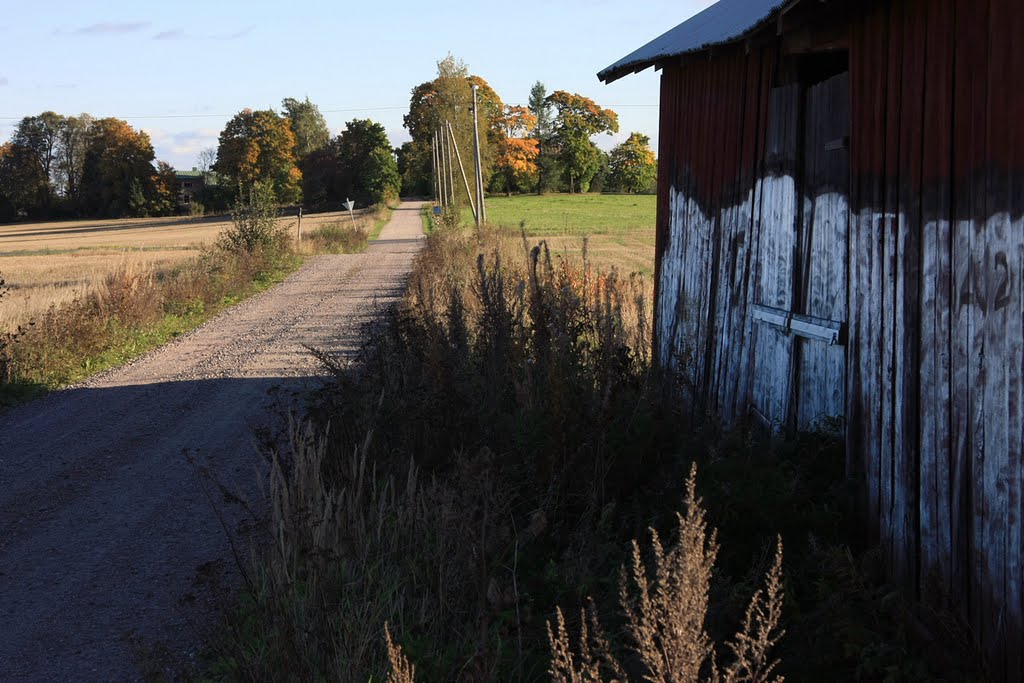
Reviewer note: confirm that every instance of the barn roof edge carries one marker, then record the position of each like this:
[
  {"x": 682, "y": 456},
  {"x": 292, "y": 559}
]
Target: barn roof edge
[{"x": 724, "y": 22}]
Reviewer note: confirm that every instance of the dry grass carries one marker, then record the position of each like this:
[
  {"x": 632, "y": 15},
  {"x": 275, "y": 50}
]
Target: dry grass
[
  {"x": 666, "y": 606},
  {"x": 48, "y": 264},
  {"x": 42, "y": 281},
  {"x": 631, "y": 252}
]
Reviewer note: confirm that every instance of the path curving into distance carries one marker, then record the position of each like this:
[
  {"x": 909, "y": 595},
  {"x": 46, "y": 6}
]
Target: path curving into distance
[{"x": 112, "y": 559}]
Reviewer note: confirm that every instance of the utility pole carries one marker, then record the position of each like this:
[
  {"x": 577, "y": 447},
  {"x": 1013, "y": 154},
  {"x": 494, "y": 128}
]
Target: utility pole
[
  {"x": 434, "y": 177},
  {"x": 481, "y": 214},
  {"x": 441, "y": 176},
  {"x": 462, "y": 168},
  {"x": 451, "y": 166}
]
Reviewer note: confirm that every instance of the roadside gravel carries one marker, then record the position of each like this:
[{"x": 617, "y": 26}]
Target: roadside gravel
[{"x": 112, "y": 559}]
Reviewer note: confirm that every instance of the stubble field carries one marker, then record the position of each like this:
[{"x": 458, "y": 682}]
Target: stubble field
[{"x": 46, "y": 264}]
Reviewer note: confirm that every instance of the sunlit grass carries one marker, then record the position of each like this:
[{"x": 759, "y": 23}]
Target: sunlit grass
[{"x": 573, "y": 214}]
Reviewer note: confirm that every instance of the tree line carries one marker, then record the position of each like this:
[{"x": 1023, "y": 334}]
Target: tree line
[
  {"x": 545, "y": 146},
  {"x": 56, "y": 166}
]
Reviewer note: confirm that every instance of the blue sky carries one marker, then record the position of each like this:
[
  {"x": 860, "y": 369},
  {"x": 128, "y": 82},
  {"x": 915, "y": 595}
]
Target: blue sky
[{"x": 180, "y": 70}]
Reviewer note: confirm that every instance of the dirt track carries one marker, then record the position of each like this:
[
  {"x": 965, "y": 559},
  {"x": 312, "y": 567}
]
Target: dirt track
[{"x": 111, "y": 556}]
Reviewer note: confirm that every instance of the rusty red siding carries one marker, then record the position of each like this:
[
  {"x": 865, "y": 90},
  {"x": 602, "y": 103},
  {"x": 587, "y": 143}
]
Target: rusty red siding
[
  {"x": 935, "y": 403},
  {"x": 930, "y": 243}
]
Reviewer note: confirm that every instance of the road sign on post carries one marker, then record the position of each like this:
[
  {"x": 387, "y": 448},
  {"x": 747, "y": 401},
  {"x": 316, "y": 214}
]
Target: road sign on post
[{"x": 349, "y": 204}]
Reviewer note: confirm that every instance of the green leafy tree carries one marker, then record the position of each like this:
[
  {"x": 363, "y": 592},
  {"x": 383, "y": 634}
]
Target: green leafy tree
[
  {"x": 39, "y": 136},
  {"x": 448, "y": 98},
  {"x": 260, "y": 145},
  {"x": 20, "y": 181},
  {"x": 599, "y": 183},
  {"x": 254, "y": 224},
  {"x": 117, "y": 173},
  {"x": 577, "y": 119},
  {"x": 308, "y": 124},
  {"x": 355, "y": 145},
  {"x": 321, "y": 173},
  {"x": 30, "y": 164},
  {"x": 359, "y": 164},
  {"x": 73, "y": 144},
  {"x": 414, "y": 167},
  {"x": 632, "y": 166},
  {"x": 547, "y": 161},
  {"x": 380, "y": 176}
]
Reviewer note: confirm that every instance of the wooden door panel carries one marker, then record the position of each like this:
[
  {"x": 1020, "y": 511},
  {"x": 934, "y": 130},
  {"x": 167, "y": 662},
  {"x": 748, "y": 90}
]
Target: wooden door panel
[{"x": 824, "y": 247}]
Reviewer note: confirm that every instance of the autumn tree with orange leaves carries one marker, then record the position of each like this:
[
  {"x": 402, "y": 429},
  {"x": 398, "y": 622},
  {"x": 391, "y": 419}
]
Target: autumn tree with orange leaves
[
  {"x": 260, "y": 145},
  {"x": 118, "y": 178},
  {"x": 517, "y": 153}
]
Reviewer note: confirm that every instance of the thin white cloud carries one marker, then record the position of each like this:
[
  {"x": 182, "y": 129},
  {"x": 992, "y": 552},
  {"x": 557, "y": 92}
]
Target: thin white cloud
[
  {"x": 172, "y": 34},
  {"x": 108, "y": 27},
  {"x": 234, "y": 36},
  {"x": 4, "y": 81},
  {"x": 181, "y": 148}
]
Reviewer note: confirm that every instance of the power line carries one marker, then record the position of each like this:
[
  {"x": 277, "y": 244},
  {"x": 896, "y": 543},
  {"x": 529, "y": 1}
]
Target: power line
[
  {"x": 322, "y": 111},
  {"x": 219, "y": 116}
]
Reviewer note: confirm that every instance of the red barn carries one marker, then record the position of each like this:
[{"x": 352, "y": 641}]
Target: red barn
[{"x": 841, "y": 244}]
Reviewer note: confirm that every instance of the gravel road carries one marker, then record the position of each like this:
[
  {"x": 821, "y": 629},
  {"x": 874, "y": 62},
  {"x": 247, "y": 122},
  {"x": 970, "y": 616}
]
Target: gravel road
[{"x": 112, "y": 559}]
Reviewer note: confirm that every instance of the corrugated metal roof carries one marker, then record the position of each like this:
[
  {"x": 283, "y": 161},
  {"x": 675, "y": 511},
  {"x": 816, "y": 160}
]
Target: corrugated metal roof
[{"x": 723, "y": 22}]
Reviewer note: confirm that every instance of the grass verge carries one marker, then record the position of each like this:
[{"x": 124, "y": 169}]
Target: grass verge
[
  {"x": 381, "y": 216},
  {"x": 132, "y": 312}
]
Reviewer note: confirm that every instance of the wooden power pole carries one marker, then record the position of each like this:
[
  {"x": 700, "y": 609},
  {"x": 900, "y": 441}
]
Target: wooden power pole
[{"x": 481, "y": 214}]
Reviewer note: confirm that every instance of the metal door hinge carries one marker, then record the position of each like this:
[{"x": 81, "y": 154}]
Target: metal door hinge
[{"x": 806, "y": 326}]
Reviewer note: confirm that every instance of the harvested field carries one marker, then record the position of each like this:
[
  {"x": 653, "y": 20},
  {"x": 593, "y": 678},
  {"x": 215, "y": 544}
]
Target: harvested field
[{"x": 51, "y": 263}]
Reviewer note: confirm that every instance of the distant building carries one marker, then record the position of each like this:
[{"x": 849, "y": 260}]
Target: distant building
[{"x": 189, "y": 185}]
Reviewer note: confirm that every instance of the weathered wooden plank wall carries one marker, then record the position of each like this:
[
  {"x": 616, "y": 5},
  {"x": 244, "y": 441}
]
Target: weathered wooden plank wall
[
  {"x": 714, "y": 115},
  {"x": 822, "y": 280},
  {"x": 936, "y": 340},
  {"x": 931, "y": 285},
  {"x": 923, "y": 257}
]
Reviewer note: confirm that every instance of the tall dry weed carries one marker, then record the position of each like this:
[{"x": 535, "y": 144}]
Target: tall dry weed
[
  {"x": 666, "y": 605},
  {"x": 63, "y": 343},
  {"x": 7, "y": 342},
  {"x": 354, "y": 547},
  {"x": 520, "y": 384}
]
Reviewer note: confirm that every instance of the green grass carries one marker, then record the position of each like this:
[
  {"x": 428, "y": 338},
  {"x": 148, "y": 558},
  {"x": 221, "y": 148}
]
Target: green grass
[
  {"x": 575, "y": 214},
  {"x": 426, "y": 215},
  {"x": 383, "y": 217}
]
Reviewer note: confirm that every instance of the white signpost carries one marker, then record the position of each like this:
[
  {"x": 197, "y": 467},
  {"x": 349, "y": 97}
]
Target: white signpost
[{"x": 349, "y": 204}]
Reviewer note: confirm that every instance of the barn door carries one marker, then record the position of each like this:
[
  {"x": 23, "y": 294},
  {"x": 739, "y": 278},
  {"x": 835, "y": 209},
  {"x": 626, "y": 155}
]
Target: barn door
[
  {"x": 777, "y": 243},
  {"x": 823, "y": 257},
  {"x": 800, "y": 300}
]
